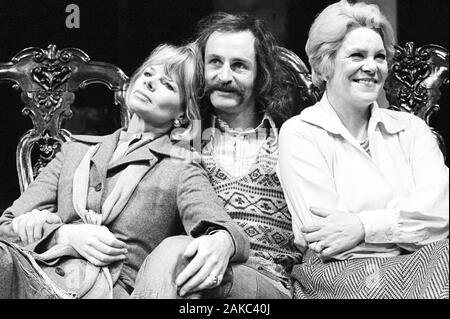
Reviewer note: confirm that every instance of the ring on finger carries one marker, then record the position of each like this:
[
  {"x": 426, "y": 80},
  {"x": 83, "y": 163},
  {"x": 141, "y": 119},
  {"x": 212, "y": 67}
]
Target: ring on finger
[
  {"x": 318, "y": 247},
  {"x": 214, "y": 279}
]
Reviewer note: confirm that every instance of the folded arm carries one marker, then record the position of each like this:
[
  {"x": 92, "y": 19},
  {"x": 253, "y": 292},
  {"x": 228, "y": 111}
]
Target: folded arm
[
  {"x": 422, "y": 217},
  {"x": 307, "y": 178}
]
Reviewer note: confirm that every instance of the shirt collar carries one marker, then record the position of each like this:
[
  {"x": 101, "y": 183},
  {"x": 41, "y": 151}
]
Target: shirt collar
[
  {"x": 125, "y": 136},
  {"x": 322, "y": 114},
  {"x": 267, "y": 122},
  {"x": 392, "y": 121},
  {"x": 165, "y": 146}
]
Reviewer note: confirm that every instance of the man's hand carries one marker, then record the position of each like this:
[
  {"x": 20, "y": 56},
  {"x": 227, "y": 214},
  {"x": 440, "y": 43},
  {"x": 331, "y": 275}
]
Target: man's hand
[
  {"x": 95, "y": 243},
  {"x": 29, "y": 226},
  {"x": 338, "y": 231},
  {"x": 206, "y": 269}
]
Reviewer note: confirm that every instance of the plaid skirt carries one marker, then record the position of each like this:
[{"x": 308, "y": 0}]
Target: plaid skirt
[{"x": 422, "y": 274}]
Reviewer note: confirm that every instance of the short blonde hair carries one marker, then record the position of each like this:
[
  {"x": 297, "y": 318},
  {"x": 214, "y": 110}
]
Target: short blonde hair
[
  {"x": 332, "y": 25},
  {"x": 179, "y": 65}
]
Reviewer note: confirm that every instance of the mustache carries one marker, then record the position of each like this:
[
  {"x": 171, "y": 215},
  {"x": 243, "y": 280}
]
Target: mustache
[{"x": 225, "y": 88}]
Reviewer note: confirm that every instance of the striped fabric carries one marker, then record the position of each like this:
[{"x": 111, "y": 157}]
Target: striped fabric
[
  {"x": 365, "y": 145},
  {"x": 423, "y": 274}
]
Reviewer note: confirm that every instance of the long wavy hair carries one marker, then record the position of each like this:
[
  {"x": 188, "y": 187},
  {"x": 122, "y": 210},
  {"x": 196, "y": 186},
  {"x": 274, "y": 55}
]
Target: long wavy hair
[{"x": 271, "y": 94}]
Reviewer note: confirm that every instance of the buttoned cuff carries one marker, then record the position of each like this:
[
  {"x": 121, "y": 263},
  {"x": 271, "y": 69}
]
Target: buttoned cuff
[{"x": 379, "y": 225}]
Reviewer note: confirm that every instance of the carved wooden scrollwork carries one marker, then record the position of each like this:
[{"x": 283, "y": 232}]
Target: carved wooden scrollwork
[
  {"x": 416, "y": 77},
  {"x": 300, "y": 77},
  {"x": 48, "y": 79}
]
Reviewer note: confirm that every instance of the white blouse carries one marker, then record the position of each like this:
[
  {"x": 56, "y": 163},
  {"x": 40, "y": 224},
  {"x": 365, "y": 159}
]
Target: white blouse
[{"x": 400, "y": 191}]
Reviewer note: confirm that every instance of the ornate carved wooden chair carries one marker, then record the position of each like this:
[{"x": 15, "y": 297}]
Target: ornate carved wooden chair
[
  {"x": 300, "y": 78},
  {"x": 48, "y": 79},
  {"x": 415, "y": 81}
]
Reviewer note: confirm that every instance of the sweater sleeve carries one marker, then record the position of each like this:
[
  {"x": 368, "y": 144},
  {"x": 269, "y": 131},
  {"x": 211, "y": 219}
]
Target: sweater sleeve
[{"x": 202, "y": 210}]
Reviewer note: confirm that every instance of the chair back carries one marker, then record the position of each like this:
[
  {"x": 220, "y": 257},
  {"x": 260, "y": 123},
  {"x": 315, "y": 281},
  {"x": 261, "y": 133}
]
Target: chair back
[
  {"x": 416, "y": 77},
  {"x": 48, "y": 79},
  {"x": 300, "y": 77}
]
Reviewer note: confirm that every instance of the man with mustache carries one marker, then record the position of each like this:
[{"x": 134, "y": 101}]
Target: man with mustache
[{"x": 244, "y": 100}]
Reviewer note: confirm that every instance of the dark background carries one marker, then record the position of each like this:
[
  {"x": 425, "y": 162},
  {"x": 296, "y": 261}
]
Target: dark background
[{"x": 123, "y": 32}]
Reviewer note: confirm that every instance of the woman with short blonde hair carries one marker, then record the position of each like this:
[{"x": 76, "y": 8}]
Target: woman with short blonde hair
[
  {"x": 367, "y": 187},
  {"x": 331, "y": 27}
]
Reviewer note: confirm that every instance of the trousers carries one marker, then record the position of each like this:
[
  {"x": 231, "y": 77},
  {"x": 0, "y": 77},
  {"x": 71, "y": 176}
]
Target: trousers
[
  {"x": 19, "y": 279},
  {"x": 156, "y": 277}
]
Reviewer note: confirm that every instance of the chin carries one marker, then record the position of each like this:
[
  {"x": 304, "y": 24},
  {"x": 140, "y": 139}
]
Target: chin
[
  {"x": 364, "y": 102},
  {"x": 367, "y": 97}
]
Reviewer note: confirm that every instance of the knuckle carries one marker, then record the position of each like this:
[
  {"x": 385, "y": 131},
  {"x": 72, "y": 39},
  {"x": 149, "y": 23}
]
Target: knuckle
[
  {"x": 103, "y": 259},
  {"x": 94, "y": 261},
  {"x": 21, "y": 222},
  {"x": 109, "y": 241},
  {"x": 214, "y": 259},
  {"x": 40, "y": 223},
  {"x": 328, "y": 253},
  {"x": 187, "y": 286}
]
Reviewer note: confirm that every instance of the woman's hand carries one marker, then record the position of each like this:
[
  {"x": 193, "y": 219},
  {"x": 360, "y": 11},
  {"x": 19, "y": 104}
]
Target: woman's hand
[
  {"x": 29, "y": 226},
  {"x": 206, "y": 269},
  {"x": 338, "y": 231},
  {"x": 95, "y": 243}
]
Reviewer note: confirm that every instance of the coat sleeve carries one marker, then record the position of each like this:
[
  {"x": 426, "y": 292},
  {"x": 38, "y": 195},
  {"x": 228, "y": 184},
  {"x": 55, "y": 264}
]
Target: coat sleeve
[
  {"x": 41, "y": 194},
  {"x": 202, "y": 210}
]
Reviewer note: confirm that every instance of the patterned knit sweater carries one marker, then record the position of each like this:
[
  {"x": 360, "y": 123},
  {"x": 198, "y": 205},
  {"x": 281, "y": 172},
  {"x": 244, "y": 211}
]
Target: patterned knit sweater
[{"x": 256, "y": 202}]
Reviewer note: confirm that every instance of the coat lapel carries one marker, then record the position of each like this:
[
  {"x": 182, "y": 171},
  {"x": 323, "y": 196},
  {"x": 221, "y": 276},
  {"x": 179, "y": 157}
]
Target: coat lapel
[
  {"x": 138, "y": 155},
  {"x": 103, "y": 155},
  {"x": 152, "y": 151}
]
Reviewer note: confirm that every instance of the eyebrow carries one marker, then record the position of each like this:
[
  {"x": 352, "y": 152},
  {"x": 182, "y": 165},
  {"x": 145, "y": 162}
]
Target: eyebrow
[
  {"x": 234, "y": 59},
  {"x": 213, "y": 56},
  {"x": 355, "y": 48},
  {"x": 174, "y": 83}
]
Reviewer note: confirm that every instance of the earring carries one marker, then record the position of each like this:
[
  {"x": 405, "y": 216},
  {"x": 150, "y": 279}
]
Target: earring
[{"x": 176, "y": 123}]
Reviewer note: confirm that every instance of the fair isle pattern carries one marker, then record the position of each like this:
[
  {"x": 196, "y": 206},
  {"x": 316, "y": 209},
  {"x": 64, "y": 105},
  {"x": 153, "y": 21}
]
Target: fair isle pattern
[
  {"x": 256, "y": 202},
  {"x": 420, "y": 275}
]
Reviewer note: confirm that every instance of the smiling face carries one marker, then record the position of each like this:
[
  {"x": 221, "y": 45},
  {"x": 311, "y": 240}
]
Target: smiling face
[
  {"x": 155, "y": 97},
  {"x": 360, "y": 70},
  {"x": 230, "y": 71}
]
